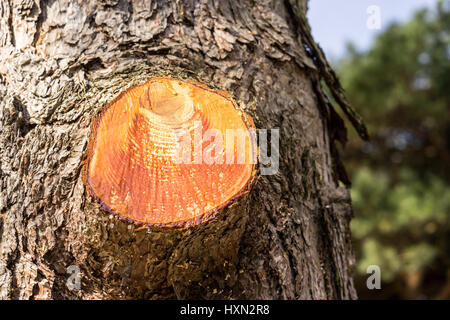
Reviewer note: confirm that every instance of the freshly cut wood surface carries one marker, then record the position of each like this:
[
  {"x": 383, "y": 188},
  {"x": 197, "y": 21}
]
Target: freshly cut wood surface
[{"x": 137, "y": 167}]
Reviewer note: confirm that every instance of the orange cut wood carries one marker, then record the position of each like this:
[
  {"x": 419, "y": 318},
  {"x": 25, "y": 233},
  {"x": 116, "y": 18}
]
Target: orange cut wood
[{"x": 170, "y": 153}]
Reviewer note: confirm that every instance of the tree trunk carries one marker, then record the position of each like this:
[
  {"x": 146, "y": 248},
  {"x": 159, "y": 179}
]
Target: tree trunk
[{"x": 62, "y": 60}]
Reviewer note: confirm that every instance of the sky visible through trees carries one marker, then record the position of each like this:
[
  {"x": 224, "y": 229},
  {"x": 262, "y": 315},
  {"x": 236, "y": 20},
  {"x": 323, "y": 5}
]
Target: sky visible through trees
[{"x": 400, "y": 83}]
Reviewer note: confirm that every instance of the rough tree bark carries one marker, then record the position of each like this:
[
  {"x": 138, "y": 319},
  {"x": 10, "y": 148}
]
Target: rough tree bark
[{"x": 61, "y": 61}]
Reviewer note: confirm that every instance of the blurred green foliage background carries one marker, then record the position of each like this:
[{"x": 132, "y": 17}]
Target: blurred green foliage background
[{"x": 401, "y": 177}]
